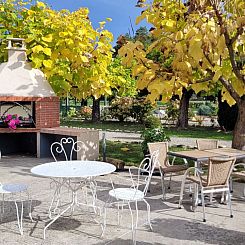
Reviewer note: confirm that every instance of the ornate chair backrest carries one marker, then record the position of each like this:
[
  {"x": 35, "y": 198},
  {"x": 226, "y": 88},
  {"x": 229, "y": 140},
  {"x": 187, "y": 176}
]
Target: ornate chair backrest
[
  {"x": 162, "y": 148},
  {"x": 66, "y": 147},
  {"x": 144, "y": 172},
  {"x": 204, "y": 144},
  {"x": 219, "y": 171}
]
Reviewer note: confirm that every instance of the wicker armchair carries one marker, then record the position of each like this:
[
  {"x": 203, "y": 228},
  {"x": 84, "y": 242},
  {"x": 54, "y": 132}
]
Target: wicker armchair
[
  {"x": 164, "y": 166},
  {"x": 217, "y": 179},
  {"x": 206, "y": 144},
  {"x": 239, "y": 175}
]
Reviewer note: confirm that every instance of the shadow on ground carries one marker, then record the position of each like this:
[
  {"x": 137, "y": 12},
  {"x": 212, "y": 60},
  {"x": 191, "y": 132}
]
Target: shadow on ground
[{"x": 195, "y": 231}]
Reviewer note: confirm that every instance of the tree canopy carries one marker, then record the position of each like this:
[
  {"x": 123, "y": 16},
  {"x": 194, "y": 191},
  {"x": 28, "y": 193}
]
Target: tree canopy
[
  {"x": 75, "y": 57},
  {"x": 202, "y": 46},
  {"x": 205, "y": 39}
]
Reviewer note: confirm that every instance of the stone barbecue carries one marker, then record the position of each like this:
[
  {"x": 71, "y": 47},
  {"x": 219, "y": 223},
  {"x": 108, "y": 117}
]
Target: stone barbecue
[{"x": 25, "y": 92}]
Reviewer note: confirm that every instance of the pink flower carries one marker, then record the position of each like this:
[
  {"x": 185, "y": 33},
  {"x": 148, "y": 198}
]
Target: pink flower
[
  {"x": 17, "y": 121},
  {"x": 12, "y": 124},
  {"x": 12, "y": 120},
  {"x": 8, "y": 118}
]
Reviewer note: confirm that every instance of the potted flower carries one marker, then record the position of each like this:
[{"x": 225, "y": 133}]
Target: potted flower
[{"x": 12, "y": 121}]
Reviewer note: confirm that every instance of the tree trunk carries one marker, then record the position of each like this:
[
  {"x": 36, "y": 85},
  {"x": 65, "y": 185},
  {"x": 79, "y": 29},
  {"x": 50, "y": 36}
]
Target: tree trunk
[
  {"x": 227, "y": 115},
  {"x": 96, "y": 110},
  {"x": 238, "y": 140},
  {"x": 182, "y": 121},
  {"x": 84, "y": 102}
]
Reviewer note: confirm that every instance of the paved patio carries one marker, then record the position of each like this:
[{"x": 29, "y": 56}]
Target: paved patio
[{"x": 170, "y": 225}]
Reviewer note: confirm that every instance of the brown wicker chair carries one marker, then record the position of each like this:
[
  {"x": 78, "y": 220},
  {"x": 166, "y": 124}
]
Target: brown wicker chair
[
  {"x": 206, "y": 144},
  {"x": 164, "y": 166},
  {"x": 238, "y": 175},
  {"x": 217, "y": 179}
]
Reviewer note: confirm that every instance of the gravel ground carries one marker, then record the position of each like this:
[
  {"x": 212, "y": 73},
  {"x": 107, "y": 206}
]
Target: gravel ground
[{"x": 135, "y": 137}]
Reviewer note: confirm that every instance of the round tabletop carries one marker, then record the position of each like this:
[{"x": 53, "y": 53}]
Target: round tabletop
[{"x": 73, "y": 169}]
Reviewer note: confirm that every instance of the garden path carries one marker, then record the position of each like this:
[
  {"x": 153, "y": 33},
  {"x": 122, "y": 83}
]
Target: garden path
[{"x": 135, "y": 137}]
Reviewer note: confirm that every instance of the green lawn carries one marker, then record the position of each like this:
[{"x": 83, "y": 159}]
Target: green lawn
[
  {"x": 130, "y": 153},
  {"x": 191, "y": 132},
  {"x": 199, "y": 132}
]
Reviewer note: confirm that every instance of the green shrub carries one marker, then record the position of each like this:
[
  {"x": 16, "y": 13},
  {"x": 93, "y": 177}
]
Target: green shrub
[
  {"x": 86, "y": 112},
  {"x": 152, "y": 122},
  {"x": 191, "y": 113},
  {"x": 72, "y": 112},
  {"x": 124, "y": 107},
  {"x": 153, "y": 135},
  {"x": 105, "y": 113},
  {"x": 121, "y": 108},
  {"x": 204, "y": 110},
  {"x": 172, "y": 110},
  {"x": 140, "y": 109}
]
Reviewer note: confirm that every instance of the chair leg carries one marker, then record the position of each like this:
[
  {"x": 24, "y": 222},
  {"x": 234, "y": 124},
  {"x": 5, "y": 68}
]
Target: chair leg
[
  {"x": 137, "y": 215},
  {"x": 224, "y": 197},
  {"x": 19, "y": 216},
  {"x": 107, "y": 204},
  {"x": 163, "y": 187},
  {"x": 169, "y": 183},
  {"x": 181, "y": 192},
  {"x": 30, "y": 205},
  {"x": 196, "y": 198},
  {"x": 203, "y": 206},
  {"x": 118, "y": 214},
  {"x": 170, "y": 178},
  {"x": 132, "y": 224},
  {"x": 2, "y": 207},
  {"x": 231, "y": 184},
  {"x": 229, "y": 203},
  {"x": 148, "y": 213}
]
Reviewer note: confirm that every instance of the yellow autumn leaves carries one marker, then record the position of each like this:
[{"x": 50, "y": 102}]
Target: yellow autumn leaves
[
  {"x": 72, "y": 54},
  {"x": 196, "y": 42}
]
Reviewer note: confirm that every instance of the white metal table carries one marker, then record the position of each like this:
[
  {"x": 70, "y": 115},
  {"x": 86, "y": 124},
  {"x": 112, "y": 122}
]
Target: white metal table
[{"x": 65, "y": 174}]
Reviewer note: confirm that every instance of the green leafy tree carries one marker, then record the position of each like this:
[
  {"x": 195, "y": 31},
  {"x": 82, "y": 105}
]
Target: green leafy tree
[
  {"x": 205, "y": 39},
  {"x": 73, "y": 55}
]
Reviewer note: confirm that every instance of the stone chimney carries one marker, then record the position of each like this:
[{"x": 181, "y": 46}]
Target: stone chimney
[{"x": 16, "y": 50}]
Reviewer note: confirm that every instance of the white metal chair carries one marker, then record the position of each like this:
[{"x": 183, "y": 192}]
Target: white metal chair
[
  {"x": 66, "y": 148},
  {"x": 164, "y": 166},
  {"x": 217, "y": 180},
  {"x": 16, "y": 191},
  {"x": 135, "y": 193}
]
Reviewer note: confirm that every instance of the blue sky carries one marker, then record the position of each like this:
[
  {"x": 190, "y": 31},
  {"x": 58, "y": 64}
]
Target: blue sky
[{"x": 118, "y": 10}]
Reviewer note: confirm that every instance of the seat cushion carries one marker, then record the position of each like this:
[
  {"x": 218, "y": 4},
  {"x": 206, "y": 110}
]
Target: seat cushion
[
  {"x": 12, "y": 188},
  {"x": 174, "y": 169},
  {"x": 127, "y": 194}
]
